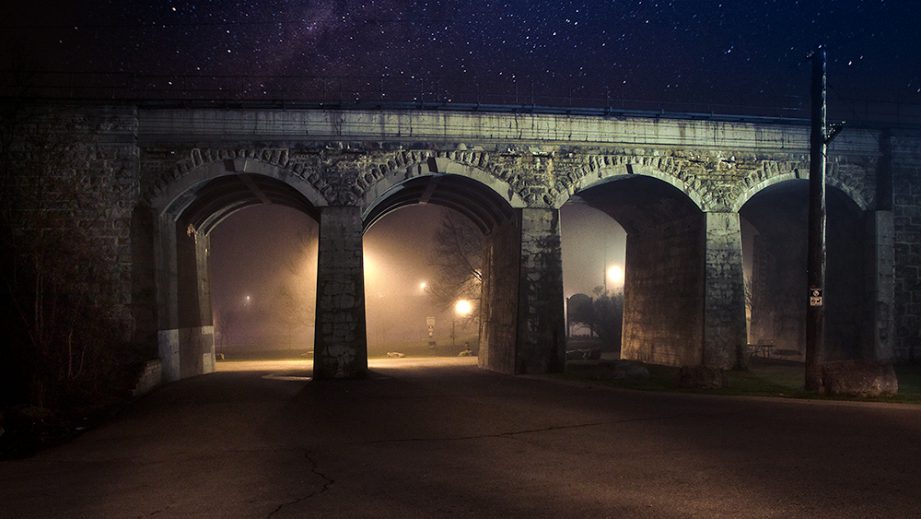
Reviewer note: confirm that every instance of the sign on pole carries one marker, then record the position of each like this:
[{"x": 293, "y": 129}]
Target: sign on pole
[
  {"x": 815, "y": 296},
  {"x": 430, "y": 324}
]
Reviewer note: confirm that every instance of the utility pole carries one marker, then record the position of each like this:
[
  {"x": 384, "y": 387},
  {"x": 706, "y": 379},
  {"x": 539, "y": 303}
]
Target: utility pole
[{"x": 820, "y": 136}]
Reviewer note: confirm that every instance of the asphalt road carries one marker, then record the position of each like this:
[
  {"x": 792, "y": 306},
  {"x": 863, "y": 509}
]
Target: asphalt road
[{"x": 421, "y": 440}]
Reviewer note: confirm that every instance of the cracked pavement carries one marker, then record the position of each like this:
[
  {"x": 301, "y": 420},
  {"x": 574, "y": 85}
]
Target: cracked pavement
[{"x": 421, "y": 439}]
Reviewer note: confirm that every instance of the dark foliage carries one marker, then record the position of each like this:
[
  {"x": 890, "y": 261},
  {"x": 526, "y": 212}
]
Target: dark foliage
[
  {"x": 603, "y": 314},
  {"x": 65, "y": 347}
]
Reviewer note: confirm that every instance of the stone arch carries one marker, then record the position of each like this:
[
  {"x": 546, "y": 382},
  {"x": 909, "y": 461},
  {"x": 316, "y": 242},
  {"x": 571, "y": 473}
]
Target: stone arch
[
  {"x": 776, "y": 232},
  {"x": 471, "y": 198},
  {"x": 601, "y": 174},
  {"x": 852, "y": 193},
  {"x": 169, "y": 192},
  {"x": 520, "y": 304},
  {"x": 383, "y": 177},
  {"x": 666, "y": 250},
  {"x": 186, "y": 205}
]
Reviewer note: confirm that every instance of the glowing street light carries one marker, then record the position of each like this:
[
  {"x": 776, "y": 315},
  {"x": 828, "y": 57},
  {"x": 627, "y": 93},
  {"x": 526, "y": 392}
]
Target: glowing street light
[
  {"x": 462, "y": 308},
  {"x": 423, "y": 285},
  {"x": 615, "y": 275}
]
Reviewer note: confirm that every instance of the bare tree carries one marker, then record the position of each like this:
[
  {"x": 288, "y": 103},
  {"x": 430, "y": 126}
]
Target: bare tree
[
  {"x": 458, "y": 260},
  {"x": 225, "y": 322}
]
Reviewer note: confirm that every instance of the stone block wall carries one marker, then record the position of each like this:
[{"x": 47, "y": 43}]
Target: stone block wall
[
  {"x": 499, "y": 298},
  {"x": 849, "y": 306},
  {"x": 880, "y": 285},
  {"x": 541, "y": 334},
  {"x": 340, "y": 345},
  {"x": 88, "y": 161},
  {"x": 663, "y": 313},
  {"x": 905, "y": 159},
  {"x": 522, "y": 329},
  {"x": 535, "y": 169},
  {"x": 724, "y": 294},
  {"x": 150, "y": 377}
]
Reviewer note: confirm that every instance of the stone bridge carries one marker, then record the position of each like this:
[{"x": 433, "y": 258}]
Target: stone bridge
[{"x": 684, "y": 189}]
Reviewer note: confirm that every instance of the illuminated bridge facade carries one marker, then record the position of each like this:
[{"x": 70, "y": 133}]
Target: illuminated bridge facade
[{"x": 684, "y": 189}]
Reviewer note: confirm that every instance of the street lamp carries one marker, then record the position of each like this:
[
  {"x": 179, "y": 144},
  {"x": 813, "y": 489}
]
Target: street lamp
[
  {"x": 615, "y": 274},
  {"x": 462, "y": 308}
]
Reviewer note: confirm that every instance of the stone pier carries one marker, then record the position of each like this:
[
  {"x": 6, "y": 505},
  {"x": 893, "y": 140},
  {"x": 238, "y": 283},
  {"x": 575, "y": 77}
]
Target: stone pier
[
  {"x": 340, "y": 345},
  {"x": 522, "y": 322}
]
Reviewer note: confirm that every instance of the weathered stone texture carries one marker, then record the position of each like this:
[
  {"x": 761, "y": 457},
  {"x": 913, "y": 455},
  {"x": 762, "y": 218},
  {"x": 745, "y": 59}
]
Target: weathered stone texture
[
  {"x": 859, "y": 378},
  {"x": 880, "y": 345},
  {"x": 683, "y": 298},
  {"x": 663, "y": 294},
  {"x": 906, "y": 186},
  {"x": 499, "y": 296},
  {"x": 522, "y": 325},
  {"x": 194, "y": 316},
  {"x": 150, "y": 377},
  {"x": 340, "y": 347},
  {"x": 541, "y": 333},
  {"x": 88, "y": 162},
  {"x": 724, "y": 292}
]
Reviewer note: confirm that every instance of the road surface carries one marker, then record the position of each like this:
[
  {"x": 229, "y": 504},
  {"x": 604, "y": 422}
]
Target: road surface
[{"x": 424, "y": 439}]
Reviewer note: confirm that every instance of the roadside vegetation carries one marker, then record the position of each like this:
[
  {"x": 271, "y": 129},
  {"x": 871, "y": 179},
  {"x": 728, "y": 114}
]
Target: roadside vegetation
[{"x": 774, "y": 378}]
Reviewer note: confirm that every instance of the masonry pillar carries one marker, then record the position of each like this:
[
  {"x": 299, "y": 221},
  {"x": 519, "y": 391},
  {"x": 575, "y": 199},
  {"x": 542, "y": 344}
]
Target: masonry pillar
[
  {"x": 724, "y": 291},
  {"x": 204, "y": 349},
  {"x": 882, "y": 286},
  {"x": 522, "y": 323},
  {"x": 167, "y": 294},
  {"x": 541, "y": 323},
  {"x": 663, "y": 293},
  {"x": 340, "y": 345},
  {"x": 185, "y": 330}
]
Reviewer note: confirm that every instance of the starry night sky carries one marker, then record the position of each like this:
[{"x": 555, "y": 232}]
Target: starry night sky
[{"x": 734, "y": 51}]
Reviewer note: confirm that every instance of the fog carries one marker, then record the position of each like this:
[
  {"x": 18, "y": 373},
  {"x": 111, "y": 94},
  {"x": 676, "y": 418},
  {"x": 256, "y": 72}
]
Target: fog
[
  {"x": 263, "y": 263},
  {"x": 397, "y": 255},
  {"x": 263, "y": 279},
  {"x": 592, "y": 242}
]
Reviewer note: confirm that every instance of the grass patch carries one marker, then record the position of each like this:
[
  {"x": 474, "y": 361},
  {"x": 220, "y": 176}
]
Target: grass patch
[{"x": 763, "y": 378}]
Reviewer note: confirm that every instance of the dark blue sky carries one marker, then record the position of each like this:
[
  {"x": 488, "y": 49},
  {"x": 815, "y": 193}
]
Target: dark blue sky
[{"x": 730, "y": 51}]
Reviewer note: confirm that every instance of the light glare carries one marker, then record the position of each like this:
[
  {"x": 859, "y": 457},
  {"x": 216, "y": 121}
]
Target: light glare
[
  {"x": 463, "y": 307},
  {"x": 616, "y": 274}
]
